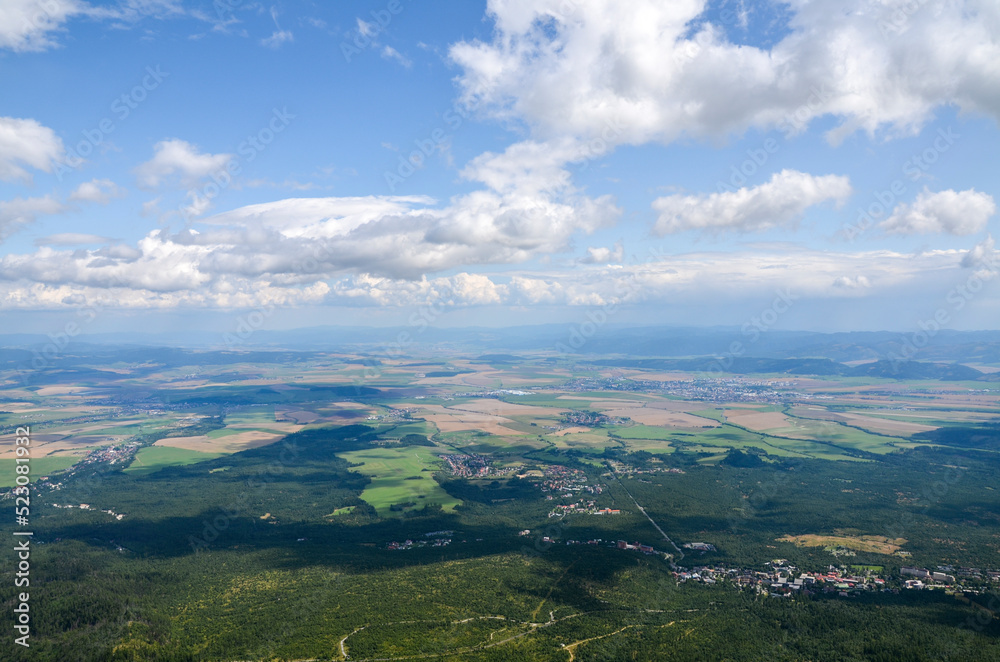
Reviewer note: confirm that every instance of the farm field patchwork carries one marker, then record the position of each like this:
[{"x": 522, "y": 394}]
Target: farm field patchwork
[{"x": 400, "y": 476}]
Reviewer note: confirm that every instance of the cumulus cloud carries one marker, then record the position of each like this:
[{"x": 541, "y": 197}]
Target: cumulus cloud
[
  {"x": 161, "y": 272},
  {"x": 662, "y": 72},
  {"x": 181, "y": 158},
  {"x": 96, "y": 190},
  {"x": 983, "y": 255},
  {"x": 847, "y": 282},
  {"x": 780, "y": 201},
  {"x": 19, "y": 212},
  {"x": 25, "y": 142},
  {"x": 303, "y": 242},
  {"x": 27, "y": 25},
  {"x": 603, "y": 254},
  {"x": 948, "y": 212}
]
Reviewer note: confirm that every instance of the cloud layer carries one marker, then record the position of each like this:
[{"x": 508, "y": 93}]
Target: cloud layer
[
  {"x": 780, "y": 201},
  {"x": 573, "y": 68}
]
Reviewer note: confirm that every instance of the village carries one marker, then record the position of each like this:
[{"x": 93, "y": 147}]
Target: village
[
  {"x": 473, "y": 465},
  {"x": 431, "y": 539},
  {"x": 729, "y": 389},
  {"x": 628, "y": 471},
  {"x": 783, "y": 580}
]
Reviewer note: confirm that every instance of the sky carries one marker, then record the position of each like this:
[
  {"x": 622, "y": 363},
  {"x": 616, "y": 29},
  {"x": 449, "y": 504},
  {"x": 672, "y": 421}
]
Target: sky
[{"x": 191, "y": 164}]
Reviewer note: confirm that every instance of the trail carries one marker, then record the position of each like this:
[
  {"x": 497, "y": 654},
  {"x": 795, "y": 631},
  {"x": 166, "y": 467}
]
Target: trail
[
  {"x": 570, "y": 647},
  {"x": 534, "y": 614}
]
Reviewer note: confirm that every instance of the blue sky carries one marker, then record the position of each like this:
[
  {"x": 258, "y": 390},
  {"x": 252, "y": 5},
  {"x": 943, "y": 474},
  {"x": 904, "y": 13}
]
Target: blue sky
[{"x": 182, "y": 163}]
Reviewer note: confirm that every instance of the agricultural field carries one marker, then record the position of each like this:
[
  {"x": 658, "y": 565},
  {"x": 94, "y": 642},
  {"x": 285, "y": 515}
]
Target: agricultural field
[
  {"x": 314, "y": 489},
  {"x": 154, "y": 458},
  {"x": 401, "y": 477}
]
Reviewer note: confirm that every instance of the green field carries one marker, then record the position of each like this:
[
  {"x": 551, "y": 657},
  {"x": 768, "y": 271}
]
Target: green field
[
  {"x": 399, "y": 477},
  {"x": 346, "y": 510},
  {"x": 651, "y": 438},
  {"x": 154, "y": 458},
  {"x": 838, "y": 434},
  {"x": 41, "y": 466}
]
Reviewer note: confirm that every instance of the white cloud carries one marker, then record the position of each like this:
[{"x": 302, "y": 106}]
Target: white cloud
[
  {"x": 97, "y": 190},
  {"x": 22, "y": 211},
  {"x": 952, "y": 212},
  {"x": 27, "y": 25},
  {"x": 208, "y": 269},
  {"x": 983, "y": 256},
  {"x": 604, "y": 255},
  {"x": 178, "y": 157},
  {"x": 277, "y": 38},
  {"x": 780, "y": 201},
  {"x": 71, "y": 239},
  {"x": 574, "y": 68},
  {"x": 390, "y": 53},
  {"x": 857, "y": 282},
  {"x": 26, "y": 142}
]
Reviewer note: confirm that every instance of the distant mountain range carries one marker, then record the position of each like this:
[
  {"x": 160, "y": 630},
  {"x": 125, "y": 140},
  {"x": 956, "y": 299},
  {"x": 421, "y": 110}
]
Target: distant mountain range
[{"x": 914, "y": 355}]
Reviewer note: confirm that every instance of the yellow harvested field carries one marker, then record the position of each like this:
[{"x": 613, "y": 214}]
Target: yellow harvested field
[
  {"x": 228, "y": 444},
  {"x": 657, "y": 416},
  {"x": 674, "y": 405},
  {"x": 61, "y": 444},
  {"x": 455, "y": 420},
  {"x": 21, "y": 407},
  {"x": 871, "y": 423},
  {"x": 601, "y": 404},
  {"x": 499, "y": 407},
  {"x": 885, "y": 425},
  {"x": 490, "y": 424},
  {"x": 61, "y": 390},
  {"x": 758, "y": 420},
  {"x": 874, "y": 544}
]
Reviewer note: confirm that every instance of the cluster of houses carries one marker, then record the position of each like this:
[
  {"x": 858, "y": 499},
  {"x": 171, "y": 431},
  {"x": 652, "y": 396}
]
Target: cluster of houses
[
  {"x": 734, "y": 389},
  {"x": 783, "y": 580},
  {"x": 564, "y": 481},
  {"x": 468, "y": 465},
  {"x": 699, "y": 546},
  {"x": 730, "y": 389},
  {"x": 568, "y": 484},
  {"x": 433, "y": 539},
  {"x": 86, "y": 506},
  {"x": 945, "y": 576},
  {"x": 588, "y": 508},
  {"x": 492, "y": 394},
  {"x": 391, "y": 415},
  {"x": 593, "y": 418},
  {"x": 628, "y": 470},
  {"x": 621, "y": 544}
]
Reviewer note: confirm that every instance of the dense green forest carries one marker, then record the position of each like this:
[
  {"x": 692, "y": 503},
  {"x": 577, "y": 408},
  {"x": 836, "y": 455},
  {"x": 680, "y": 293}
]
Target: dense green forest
[{"x": 238, "y": 558}]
